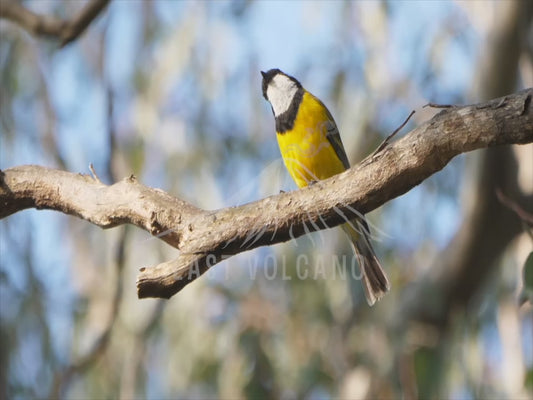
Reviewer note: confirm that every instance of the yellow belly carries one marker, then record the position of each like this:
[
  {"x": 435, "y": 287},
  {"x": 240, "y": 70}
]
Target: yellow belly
[{"x": 306, "y": 151}]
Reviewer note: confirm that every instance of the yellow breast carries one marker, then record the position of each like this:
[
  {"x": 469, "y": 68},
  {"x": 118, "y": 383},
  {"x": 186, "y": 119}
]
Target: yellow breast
[{"x": 306, "y": 150}]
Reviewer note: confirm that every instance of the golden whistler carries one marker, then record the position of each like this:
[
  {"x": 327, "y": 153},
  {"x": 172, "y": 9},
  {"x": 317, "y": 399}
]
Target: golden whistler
[{"x": 312, "y": 150}]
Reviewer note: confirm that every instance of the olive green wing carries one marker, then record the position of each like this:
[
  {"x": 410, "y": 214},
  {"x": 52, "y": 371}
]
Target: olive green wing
[{"x": 334, "y": 138}]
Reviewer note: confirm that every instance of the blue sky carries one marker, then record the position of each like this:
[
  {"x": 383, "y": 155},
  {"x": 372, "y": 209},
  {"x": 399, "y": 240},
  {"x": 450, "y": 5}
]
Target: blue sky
[
  {"x": 294, "y": 36},
  {"x": 303, "y": 38}
]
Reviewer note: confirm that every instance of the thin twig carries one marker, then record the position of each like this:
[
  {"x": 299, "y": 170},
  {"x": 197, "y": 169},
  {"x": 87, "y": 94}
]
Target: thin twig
[
  {"x": 525, "y": 216},
  {"x": 93, "y": 172},
  {"x": 387, "y": 140},
  {"x": 436, "y": 105}
]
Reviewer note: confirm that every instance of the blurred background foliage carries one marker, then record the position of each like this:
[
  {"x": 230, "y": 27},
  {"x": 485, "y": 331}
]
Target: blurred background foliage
[{"x": 170, "y": 91}]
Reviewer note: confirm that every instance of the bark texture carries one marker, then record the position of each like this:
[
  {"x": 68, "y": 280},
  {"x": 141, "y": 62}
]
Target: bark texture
[{"x": 204, "y": 238}]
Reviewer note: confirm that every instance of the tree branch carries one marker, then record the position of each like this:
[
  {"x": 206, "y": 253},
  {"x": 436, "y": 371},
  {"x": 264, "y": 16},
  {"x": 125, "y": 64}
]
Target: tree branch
[
  {"x": 43, "y": 25},
  {"x": 207, "y": 237}
]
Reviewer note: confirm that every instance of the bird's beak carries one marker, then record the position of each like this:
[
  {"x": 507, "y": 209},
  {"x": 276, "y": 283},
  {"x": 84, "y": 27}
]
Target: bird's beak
[{"x": 263, "y": 73}]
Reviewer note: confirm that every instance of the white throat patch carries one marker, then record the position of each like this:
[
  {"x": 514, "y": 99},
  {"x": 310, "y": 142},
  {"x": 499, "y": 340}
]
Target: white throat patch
[{"x": 280, "y": 92}]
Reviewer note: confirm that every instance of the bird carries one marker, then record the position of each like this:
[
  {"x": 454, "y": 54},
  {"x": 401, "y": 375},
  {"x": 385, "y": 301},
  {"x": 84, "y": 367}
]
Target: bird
[{"x": 312, "y": 150}]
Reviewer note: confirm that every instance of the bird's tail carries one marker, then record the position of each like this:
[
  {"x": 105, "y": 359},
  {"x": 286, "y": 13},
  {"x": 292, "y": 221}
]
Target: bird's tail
[{"x": 375, "y": 282}]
